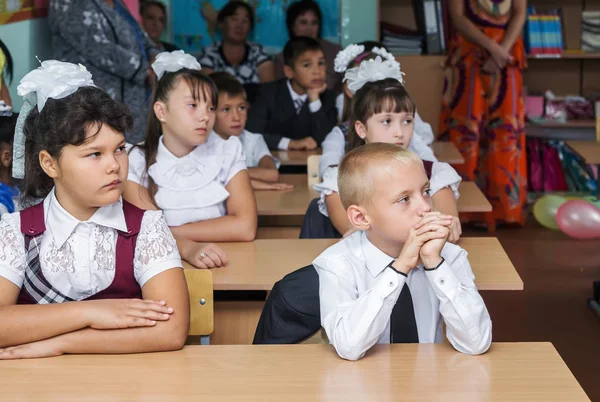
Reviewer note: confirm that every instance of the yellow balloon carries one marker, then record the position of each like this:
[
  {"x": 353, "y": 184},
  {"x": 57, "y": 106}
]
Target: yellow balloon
[{"x": 545, "y": 209}]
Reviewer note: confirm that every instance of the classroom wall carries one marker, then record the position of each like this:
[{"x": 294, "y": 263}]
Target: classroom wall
[
  {"x": 25, "y": 40},
  {"x": 28, "y": 39}
]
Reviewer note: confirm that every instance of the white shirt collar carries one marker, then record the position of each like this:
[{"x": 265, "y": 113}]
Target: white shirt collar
[
  {"x": 375, "y": 259},
  {"x": 61, "y": 223},
  {"x": 294, "y": 94}
]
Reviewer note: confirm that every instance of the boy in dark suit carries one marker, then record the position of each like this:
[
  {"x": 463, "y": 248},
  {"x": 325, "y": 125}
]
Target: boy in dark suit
[{"x": 298, "y": 111}]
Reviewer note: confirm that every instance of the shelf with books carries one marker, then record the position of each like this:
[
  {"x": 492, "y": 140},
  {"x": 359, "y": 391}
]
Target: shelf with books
[
  {"x": 568, "y": 55},
  {"x": 575, "y": 130}
]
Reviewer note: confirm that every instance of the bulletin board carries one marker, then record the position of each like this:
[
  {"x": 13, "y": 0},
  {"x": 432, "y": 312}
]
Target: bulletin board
[{"x": 195, "y": 23}]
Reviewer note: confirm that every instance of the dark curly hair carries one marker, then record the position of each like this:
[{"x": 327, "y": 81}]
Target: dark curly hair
[{"x": 62, "y": 122}]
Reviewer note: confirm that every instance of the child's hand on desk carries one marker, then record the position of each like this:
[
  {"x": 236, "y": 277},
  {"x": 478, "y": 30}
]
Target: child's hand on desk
[
  {"x": 263, "y": 185},
  {"x": 35, "y": 350},
  {"x": 126, "y": 313},
  {"x": 205, "y": 255},
  {"x": 307, "y": 143},
  {"x": 422, "y": 233}
]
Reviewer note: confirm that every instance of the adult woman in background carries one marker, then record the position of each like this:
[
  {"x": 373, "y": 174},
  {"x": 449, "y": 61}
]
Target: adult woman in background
[
  {"x": 244, "y": 60},
  {"x": 103, "y": 36},
  {"x": 483, "y": 105},
  {"x": 304, "y": 18},
  {"x": 154, "y": 19}
]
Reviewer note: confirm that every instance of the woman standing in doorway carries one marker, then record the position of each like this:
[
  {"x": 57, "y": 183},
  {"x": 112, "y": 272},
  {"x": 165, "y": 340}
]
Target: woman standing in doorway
[{"x": 483, "y": 105}]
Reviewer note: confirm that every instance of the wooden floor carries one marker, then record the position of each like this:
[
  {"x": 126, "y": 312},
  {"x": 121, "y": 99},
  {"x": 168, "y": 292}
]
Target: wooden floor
[{"x": 558, "y": 273}]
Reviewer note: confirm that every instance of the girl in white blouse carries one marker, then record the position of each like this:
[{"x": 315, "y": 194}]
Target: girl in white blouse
[
  {"x": 198, "y": 179},
  {"x": 117, "y": 265},
  {"x": 334, "y": 144},
  {"x": 382, "y": 111}
]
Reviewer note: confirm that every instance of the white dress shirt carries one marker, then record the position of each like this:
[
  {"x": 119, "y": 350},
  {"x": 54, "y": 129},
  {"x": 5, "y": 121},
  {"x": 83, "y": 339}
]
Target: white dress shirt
[
  {"x": 191, "y": 188},
  {"x": 255, "y": 148},
  {"x": 358, "y": 291},
  {"x": 313, "y": 106},
  {"x": 79, "y": 258},
  {"x": 442, "y": 175}
]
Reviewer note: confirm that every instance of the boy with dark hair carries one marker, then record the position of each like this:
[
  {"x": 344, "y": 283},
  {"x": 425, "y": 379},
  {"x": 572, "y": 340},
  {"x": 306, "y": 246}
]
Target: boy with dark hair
[
  {"x": 298, "y": 111},
  {"x": 8, "y": 189}
]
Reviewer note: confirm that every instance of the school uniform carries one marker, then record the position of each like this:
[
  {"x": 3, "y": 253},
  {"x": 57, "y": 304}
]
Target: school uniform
[
  {"x": 316, "y": 223},
  {"x": 53, "y": 257},
  {"x": 365, "y": 301},
  {"x": 191, "y": 188},
  {"x": 281, "y": 115},
  {"x": 255, "y": 148}
]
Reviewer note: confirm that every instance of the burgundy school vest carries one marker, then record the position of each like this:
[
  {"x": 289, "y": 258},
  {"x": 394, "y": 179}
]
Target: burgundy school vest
[
  {"x": 124, "y": 284},
  {"x": 428, "y": 165}
]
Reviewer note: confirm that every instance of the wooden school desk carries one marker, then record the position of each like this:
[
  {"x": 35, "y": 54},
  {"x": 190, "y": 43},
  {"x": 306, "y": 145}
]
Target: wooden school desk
[
  {"x": 509, "y": 371},
  {"x": 288, "y": 207},
  {"x": 445, "y": 151},
  {"x": 258, "y": 265}
]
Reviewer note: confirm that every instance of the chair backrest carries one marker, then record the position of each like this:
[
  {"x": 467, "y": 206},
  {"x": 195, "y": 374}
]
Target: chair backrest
[
  {"x": 200, "y": 288},
  {"x": 312, "y": 168}
]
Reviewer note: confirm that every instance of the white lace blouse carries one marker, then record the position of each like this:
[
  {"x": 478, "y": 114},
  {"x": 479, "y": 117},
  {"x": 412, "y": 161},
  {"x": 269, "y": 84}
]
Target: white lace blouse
[
  {"x": 79, "y": 258},
  {"x": 191, "y": 188}
]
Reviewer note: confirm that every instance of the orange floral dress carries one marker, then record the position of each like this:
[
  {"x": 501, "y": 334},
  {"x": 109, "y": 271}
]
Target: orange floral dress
[{"x": 483, "y": 114}]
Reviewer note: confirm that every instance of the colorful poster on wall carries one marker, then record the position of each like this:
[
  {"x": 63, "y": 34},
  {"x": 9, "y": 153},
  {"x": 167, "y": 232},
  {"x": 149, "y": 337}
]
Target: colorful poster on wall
[
  {"x": 195, "y": 23},
  {"x": 20, "y": 10}
]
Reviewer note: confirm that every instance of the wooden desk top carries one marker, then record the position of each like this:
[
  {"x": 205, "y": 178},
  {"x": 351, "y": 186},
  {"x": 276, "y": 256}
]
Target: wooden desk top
[
  {"x": 286, "y": 203},
  {"x": 295, "y": 158},
  {"x": 588, "y": 150},
  {"x": 447, "y": 152},
  {"x": 259, "y": 264},
  {"x": 472, "y": 199},
  {"x": 428, "y": 372},
  {"x": 295, "y": 202}
]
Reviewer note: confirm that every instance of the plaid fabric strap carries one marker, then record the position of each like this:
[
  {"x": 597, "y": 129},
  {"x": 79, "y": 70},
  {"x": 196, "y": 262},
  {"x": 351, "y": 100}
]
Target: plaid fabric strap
[
  {"x": 36, "y": 289},
  {"x": 34, "y": 283}
]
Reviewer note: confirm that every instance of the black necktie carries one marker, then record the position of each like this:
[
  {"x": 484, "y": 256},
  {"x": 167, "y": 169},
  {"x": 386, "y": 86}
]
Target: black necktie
[{"x": 403, "y": 323}]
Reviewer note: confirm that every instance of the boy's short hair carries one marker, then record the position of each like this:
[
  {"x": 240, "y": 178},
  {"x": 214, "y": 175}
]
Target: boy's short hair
[
  {"x": 355, "y": 183},
  {"x": 7, "y": 128},
  {"x": 296, "y": 47},
  {"x": 227, "y": 84}
]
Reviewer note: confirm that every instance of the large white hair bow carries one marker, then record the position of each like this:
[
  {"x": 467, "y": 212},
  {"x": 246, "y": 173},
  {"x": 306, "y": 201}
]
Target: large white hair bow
[
  {"x": 372, "y": 70},
  {"x": 53, "y": 79},
  {"x": 344, "y": 57},
  {"x": 169, "y": 62}
]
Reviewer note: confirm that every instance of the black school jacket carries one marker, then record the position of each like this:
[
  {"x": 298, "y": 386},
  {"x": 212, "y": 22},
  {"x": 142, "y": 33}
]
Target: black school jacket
[{"x": 274, "y": 116}]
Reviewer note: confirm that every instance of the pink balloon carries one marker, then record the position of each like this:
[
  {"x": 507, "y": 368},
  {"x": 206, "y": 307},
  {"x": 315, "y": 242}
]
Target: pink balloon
[{"x": 579, "y": 219}]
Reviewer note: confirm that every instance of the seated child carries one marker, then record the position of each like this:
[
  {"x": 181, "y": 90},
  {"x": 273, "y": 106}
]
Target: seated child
[
  {"x": 382, "y": 111},
  {"x": 397, "y": 279},
  {"x": 298, "y": 111},
  {"x": 9, "y": 191},
  {"x": 334, "y": 144},
  {"x": 231, "y": 116},
  {"x": 116, "y": 265},
  {"x": 197, "y": 178}
]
